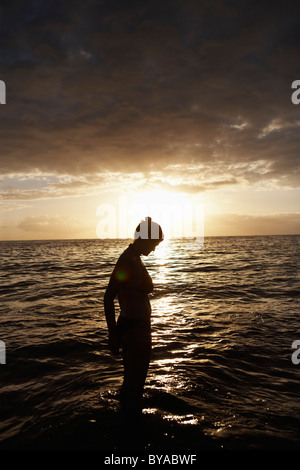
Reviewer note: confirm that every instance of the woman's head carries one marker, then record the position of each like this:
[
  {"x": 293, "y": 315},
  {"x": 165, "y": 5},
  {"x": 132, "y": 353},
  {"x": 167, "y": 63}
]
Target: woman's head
[{"x": 148, "y": 235}]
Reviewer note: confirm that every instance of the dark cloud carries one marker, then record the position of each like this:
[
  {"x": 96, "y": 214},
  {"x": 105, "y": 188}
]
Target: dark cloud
[{"x": 129, "y": 87}]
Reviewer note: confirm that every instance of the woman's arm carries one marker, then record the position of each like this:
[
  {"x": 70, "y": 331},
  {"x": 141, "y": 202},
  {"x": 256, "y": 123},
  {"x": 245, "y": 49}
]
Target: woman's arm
[
  {"x": 109, "y": 309},
  {"x": 127, "y": 274}
]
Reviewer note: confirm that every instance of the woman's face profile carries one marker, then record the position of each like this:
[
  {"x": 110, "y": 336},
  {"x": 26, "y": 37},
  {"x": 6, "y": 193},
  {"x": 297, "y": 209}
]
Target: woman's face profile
[{"x": 149, "y": 245}]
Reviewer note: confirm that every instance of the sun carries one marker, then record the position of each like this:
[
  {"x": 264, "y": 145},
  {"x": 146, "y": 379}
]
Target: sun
[{"x": 165, "y": 208}]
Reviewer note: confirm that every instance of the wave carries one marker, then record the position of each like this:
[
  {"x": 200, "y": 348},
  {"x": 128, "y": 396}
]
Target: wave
[{"x": 223, "y": 323}]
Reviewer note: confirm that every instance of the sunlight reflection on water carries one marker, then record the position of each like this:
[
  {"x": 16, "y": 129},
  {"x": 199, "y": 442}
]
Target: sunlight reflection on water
[
  {"x": 182, "y": 419},
  {"x": 223, "y": 321}
]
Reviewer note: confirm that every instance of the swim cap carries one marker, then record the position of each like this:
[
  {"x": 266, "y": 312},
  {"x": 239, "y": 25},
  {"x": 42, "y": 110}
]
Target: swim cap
[{"x": 148, "y": 230}]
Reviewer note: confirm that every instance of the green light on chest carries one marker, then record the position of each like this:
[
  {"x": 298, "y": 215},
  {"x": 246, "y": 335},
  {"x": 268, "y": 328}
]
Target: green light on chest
[{"x": 121, "y": 275}]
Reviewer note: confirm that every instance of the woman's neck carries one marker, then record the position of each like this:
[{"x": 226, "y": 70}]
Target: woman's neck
[{"x": 137, "y": 248}]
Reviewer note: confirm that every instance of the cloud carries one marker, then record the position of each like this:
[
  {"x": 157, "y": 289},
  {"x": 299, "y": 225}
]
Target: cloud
[
  {"x": 99, "y": 89},
  {"x": 278, "y": 125},
  {"x": 242, "y": 224},
  {"x": 11, "y": 206},
  {"x": 228, "y": 224},
  {"x": 50, "y": 227},
  {"x": 35, "y": 187}
]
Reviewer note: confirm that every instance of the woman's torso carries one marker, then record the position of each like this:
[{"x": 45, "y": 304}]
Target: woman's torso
[{"x": 133, "y": 293}]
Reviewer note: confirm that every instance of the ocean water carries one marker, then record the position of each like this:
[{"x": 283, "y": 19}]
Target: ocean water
[{"x": 224, "y": 318}]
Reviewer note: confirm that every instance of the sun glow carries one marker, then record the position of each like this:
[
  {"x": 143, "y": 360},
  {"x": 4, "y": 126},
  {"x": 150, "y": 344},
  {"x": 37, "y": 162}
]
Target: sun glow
[
  {"x": 160, "y": 196},
  {"x": 178, "y": 215},
  {"x": 173, "y": 211},
  {"x": 159, "y": 203}
]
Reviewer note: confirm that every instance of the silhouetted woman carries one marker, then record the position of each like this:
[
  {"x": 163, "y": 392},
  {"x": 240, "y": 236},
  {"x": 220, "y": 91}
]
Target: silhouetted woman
[{"x": 131, "y": 283}]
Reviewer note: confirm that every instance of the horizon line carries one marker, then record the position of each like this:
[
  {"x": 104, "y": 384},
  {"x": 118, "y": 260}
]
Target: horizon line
[{"x": 171, "y": 238}]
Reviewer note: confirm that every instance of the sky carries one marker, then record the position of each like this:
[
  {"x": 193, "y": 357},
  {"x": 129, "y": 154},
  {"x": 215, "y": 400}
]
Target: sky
[{"x": 116, "y": 110}]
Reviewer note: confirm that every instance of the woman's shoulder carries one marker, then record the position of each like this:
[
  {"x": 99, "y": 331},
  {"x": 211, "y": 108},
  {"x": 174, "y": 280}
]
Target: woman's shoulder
[{"x": 127, "y": 266}]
